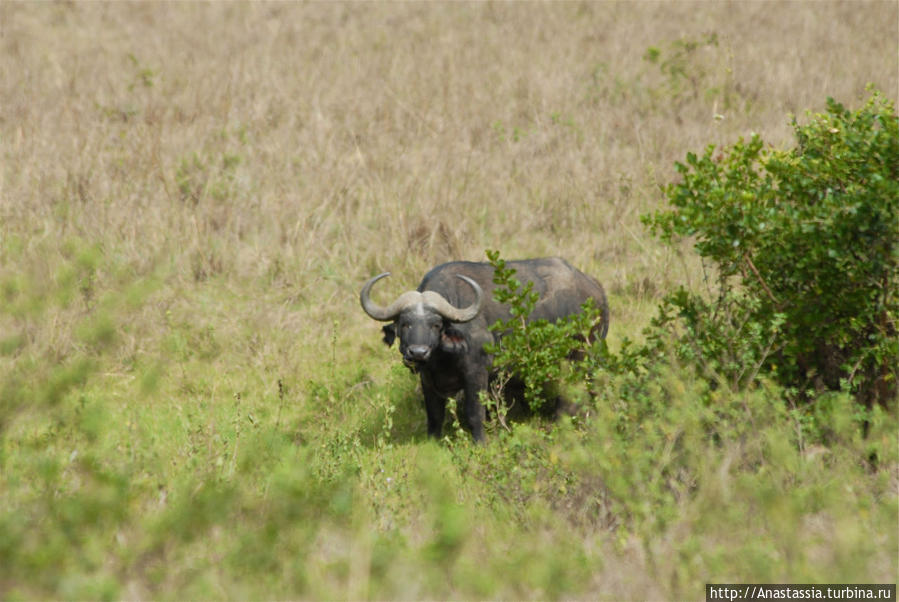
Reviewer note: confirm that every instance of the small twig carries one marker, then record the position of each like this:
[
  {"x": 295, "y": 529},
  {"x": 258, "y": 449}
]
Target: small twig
[
  {"x": 280, "y": 403},
  {"x": 765, "y": 354},
  {"x": 761, "y": 280},
  {"x": 855, "y": 368}
]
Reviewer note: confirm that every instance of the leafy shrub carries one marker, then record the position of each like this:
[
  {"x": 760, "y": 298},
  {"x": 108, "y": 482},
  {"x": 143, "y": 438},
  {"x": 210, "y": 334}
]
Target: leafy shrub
[
  {"x": 536, "y": 351},
  {"x": 805, "y": 243}
]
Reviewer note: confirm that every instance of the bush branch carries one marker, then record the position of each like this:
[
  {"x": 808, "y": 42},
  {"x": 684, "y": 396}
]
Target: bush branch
[{"x": 761, "y": 280}]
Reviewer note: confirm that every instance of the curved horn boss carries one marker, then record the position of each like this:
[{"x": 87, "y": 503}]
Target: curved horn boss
[{"x": 431, "y": 299}]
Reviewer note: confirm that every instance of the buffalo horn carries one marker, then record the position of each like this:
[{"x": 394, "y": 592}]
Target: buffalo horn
[
  {"x": 430, "y": 298},
  {"x": 385, "y": 314},
  {"x": 454, "y": 314}
]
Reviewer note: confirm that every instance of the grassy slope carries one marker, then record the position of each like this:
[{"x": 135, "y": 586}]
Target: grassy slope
[{"x": 193, "y": 404}]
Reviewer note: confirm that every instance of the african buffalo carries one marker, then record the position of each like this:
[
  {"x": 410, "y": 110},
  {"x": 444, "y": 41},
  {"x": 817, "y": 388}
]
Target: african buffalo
[{"x": 443, "y": 326}]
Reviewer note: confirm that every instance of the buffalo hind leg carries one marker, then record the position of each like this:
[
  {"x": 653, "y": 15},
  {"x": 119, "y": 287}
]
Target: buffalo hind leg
[{"x": 473, "y": 413}]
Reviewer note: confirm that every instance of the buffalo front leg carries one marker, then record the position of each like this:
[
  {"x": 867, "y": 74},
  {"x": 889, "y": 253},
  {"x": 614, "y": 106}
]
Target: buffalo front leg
[
  {"x": 473, "y": 412},
  {"x": 435, "y": 406}
]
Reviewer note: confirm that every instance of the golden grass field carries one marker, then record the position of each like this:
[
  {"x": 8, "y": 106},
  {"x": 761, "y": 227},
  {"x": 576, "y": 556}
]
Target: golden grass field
[
  {"x": 321, "y": 143},
  {"x": 191, "y": 194}
]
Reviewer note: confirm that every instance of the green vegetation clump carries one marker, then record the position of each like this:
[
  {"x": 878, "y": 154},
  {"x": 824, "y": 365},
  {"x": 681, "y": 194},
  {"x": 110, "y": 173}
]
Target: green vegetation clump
[
  {"x": 537, "y": 351},
  {"x": 805, "y": 249}
]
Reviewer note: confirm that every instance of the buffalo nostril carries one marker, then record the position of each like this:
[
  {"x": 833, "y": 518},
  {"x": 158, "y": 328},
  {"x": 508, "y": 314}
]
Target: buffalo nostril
[{"x": 418, "y": 352}]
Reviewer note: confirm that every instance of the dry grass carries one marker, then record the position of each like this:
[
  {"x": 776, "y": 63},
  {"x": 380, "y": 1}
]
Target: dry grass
[
  {"x": 333, "y": 141},
  {"x": 261, "y": 160}
]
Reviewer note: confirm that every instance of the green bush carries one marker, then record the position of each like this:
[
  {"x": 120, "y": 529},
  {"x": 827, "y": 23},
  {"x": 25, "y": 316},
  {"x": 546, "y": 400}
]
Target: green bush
[
  {"x": 536, "y": 351},
  {"x": 805, "y": 245}
]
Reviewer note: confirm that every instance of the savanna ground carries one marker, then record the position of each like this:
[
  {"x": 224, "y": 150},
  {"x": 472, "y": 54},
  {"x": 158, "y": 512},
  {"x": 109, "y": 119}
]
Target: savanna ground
[{"x": 192, "y": 403}]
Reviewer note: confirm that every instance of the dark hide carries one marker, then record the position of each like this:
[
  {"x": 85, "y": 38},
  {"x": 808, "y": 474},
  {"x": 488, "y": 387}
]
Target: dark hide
[{"x": 455, "y": 360}]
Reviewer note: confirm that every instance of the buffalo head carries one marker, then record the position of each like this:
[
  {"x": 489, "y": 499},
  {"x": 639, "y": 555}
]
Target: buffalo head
[{"x": 423, "y": 321}]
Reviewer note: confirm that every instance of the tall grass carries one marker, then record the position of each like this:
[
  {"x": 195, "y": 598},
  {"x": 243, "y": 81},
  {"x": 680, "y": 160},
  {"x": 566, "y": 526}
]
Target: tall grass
[{"x": 192, "y": 404}]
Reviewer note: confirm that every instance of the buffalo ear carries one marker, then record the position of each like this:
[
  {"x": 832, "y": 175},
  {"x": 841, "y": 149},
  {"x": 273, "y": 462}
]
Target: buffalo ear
[
  {"x": 389, "y": 334},
  {"x": 453, "y": 340}
]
